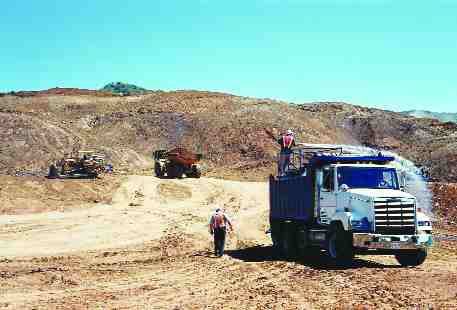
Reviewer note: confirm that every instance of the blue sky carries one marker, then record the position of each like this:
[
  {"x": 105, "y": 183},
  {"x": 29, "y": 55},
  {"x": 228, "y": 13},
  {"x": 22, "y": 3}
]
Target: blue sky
[{"x": 396, "y": 55}]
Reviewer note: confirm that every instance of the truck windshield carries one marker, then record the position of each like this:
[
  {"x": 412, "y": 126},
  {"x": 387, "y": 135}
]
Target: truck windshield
[{"x": 368, "y": 177}]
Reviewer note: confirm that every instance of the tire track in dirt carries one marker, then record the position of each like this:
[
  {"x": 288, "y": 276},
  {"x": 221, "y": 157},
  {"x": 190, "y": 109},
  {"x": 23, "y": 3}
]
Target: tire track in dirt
[
  {"x": 126, "y": 221},
  {"x": 163, "y": 260}
]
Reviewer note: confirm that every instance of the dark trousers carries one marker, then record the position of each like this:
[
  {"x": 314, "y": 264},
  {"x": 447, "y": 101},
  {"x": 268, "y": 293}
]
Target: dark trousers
[
  {"x": 219, "y": 241},
  {"x": 284, "y": 161}
]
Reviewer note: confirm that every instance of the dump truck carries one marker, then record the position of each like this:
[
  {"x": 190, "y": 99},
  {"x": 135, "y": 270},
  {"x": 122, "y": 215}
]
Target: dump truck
[
  {"x": 346, "y": 204},
  {"x": 84, "y": 164},
  {"x": 176, "y": 163}
]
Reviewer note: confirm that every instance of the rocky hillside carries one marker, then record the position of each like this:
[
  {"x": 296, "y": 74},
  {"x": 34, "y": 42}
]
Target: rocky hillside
[
  {"x": 427, "y": 142},
  {"x": 231, "y": 131},
  {"x": 444, "y": 117},
  {"x": 61, "y": 91}
]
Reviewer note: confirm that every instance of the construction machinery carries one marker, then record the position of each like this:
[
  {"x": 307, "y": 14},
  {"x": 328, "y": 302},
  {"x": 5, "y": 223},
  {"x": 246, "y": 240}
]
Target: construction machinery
[
  {"x": 346, "y": 204},
  {"x": 176, "y": 162},
  {"x": 84, "y": 164}
]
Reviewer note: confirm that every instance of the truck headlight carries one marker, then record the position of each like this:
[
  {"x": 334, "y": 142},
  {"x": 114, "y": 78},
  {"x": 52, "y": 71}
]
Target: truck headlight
[
  {"x": 361, "y": 225},
  {"x": 355, "y": 223}
]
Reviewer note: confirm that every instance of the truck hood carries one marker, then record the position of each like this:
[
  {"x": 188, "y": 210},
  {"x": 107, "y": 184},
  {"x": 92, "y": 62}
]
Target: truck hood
[{"x": 379, "y": 193}]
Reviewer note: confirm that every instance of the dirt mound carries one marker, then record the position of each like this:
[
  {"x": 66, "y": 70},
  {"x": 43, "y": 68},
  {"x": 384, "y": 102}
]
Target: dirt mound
[
  {"x": 233, "y": 133},
  {"x": 228, "y": 130},
  {"x": 25, "y": 195}
]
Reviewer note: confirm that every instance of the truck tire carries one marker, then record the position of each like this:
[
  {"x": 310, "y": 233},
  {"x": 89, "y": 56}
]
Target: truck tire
[
  {"x": 158, "y": 170},
  {"x": 302, "y": 245},
  {"x": 195, "y": 172},
  {"x": 92, "y": 175},
  {"x": 175, "y": 171},
  {"x": 415, "y": 258},
  {"x": 289, "y": 244},
  {"x": 339, "y": 245},
  {"x": 198, "y": 172},
  {"x": 53, "y": 173}
]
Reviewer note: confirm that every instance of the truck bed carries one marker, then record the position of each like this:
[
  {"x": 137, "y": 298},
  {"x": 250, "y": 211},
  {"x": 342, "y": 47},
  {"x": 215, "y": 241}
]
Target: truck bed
[
  {"x": 292, "y": 198},
  {"x": 183, "y": 156}
]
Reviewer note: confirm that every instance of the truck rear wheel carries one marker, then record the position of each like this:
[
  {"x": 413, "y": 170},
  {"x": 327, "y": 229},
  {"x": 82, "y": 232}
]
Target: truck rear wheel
[
  {"x": 415, "y": 258},
  {"x": 92, "y": 175},
  {"x": 302, "y": 242},
  {"x": 195, "y": 172},
  {"x": 289, "y": 240},
  {"x": 339, "y": 245}
]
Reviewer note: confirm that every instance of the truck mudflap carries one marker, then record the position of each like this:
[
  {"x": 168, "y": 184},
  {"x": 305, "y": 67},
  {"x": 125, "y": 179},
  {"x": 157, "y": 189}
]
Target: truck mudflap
[{"x": 396, "y": 242}]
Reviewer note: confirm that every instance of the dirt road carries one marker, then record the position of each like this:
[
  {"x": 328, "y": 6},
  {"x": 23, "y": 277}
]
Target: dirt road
[
  {"x": 143, "y": 209},
  {"x": 150, "y": 249}
]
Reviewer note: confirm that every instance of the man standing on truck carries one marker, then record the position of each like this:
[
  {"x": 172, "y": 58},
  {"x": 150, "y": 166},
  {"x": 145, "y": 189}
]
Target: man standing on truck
[
  {"x": 287, "y": 141},
  {"x": 218, "y": 228}
]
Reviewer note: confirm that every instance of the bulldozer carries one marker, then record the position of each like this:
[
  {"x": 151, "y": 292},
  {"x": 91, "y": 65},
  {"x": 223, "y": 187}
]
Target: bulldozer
[
  {"x": 176, "y": 163},
  {"x": 84, "y": 164}
]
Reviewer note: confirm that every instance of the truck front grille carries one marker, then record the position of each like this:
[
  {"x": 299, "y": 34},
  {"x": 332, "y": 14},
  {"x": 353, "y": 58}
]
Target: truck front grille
[{"x": 395, "y": 217}]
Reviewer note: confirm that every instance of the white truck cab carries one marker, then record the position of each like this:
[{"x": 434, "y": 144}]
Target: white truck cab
[{"x": 367, "y": 200}]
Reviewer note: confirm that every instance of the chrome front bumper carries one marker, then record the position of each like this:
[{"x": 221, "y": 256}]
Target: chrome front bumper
[{"x": 391, "y": 242}]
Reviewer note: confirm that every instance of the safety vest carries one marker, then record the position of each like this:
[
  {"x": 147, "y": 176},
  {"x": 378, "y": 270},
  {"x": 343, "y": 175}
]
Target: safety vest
[
  {"x": 287, "y": 141},
  {"x": 219, "y": 220}
]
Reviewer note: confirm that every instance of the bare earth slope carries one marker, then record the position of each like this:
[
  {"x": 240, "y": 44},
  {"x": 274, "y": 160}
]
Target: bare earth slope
[
  {"x": 150, "y": 249},
  {"x": 427, "y": 142},
  {"x": 25, "y": 195},
  {"x": 231, "y": 131}
]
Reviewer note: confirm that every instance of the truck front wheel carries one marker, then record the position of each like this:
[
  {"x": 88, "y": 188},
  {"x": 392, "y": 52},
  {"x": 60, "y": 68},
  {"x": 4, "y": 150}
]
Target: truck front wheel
[
  {"x": 339, "y": 245},
  {"x": 415, "y": 258},
  {"x": 53, "y": 173},
  {"x": 158, "y": 170}
]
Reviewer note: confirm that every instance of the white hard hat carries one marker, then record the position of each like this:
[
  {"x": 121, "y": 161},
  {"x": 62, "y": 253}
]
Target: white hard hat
[{"x": 344, "y": 187}]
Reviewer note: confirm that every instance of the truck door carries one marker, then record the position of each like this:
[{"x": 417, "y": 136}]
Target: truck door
[{"x": 327, "y": 195}]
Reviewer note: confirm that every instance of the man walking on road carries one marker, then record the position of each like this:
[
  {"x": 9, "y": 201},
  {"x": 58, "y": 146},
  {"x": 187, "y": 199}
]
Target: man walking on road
[{"x": 218, "y": 228}]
